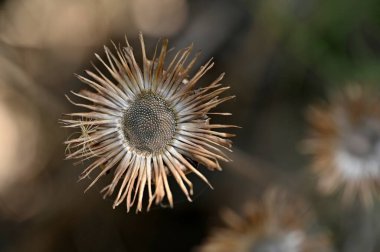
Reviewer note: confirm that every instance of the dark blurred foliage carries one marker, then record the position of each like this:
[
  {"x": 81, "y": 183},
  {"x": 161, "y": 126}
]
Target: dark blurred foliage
[{"x": 279, "y": 56}]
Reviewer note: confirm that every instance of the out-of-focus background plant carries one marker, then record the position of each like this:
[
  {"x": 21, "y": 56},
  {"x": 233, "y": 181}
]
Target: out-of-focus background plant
[{"x": 280, "y": 56}]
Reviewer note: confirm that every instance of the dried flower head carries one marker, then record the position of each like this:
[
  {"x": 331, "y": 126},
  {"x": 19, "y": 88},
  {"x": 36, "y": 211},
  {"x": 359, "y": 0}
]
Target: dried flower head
[
  {"x": 345, "y": 144},
  {"x": 277, "y": 223},
  {"x": 145, "y": 124}
]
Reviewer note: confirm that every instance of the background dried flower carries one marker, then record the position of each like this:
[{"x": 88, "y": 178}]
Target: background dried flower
[
  {"x": 345, "y": 144},
  {"x": 276, "y": 223}
]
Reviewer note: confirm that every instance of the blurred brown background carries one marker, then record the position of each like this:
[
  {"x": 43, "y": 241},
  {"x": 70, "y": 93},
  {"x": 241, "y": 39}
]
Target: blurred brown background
[{"x": 279, "y": 56}]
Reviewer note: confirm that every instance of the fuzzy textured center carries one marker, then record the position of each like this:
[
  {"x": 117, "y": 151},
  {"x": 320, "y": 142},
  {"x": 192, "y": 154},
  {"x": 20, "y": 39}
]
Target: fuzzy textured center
[
  {"x": 149, "y": 123},
  {"x": 286, "y": 242},
  {"x": 358, "y": 156}
]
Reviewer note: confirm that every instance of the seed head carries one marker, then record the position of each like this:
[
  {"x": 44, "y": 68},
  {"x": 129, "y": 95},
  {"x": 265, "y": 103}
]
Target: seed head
[{"x": 147, "y": 123}]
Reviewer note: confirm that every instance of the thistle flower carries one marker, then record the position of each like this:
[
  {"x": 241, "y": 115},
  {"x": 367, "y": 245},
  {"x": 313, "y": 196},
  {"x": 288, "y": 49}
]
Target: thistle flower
[
  {"x": 146, "y": 124},
  {"x": 345, "y": 144},
  {"x": 277, "y": 223}
]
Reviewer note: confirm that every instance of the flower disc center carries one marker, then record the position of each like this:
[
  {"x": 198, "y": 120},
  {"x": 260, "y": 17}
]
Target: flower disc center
[
  {"x": 149, "y": 123},
  {"x": 363, "y": 141}
]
